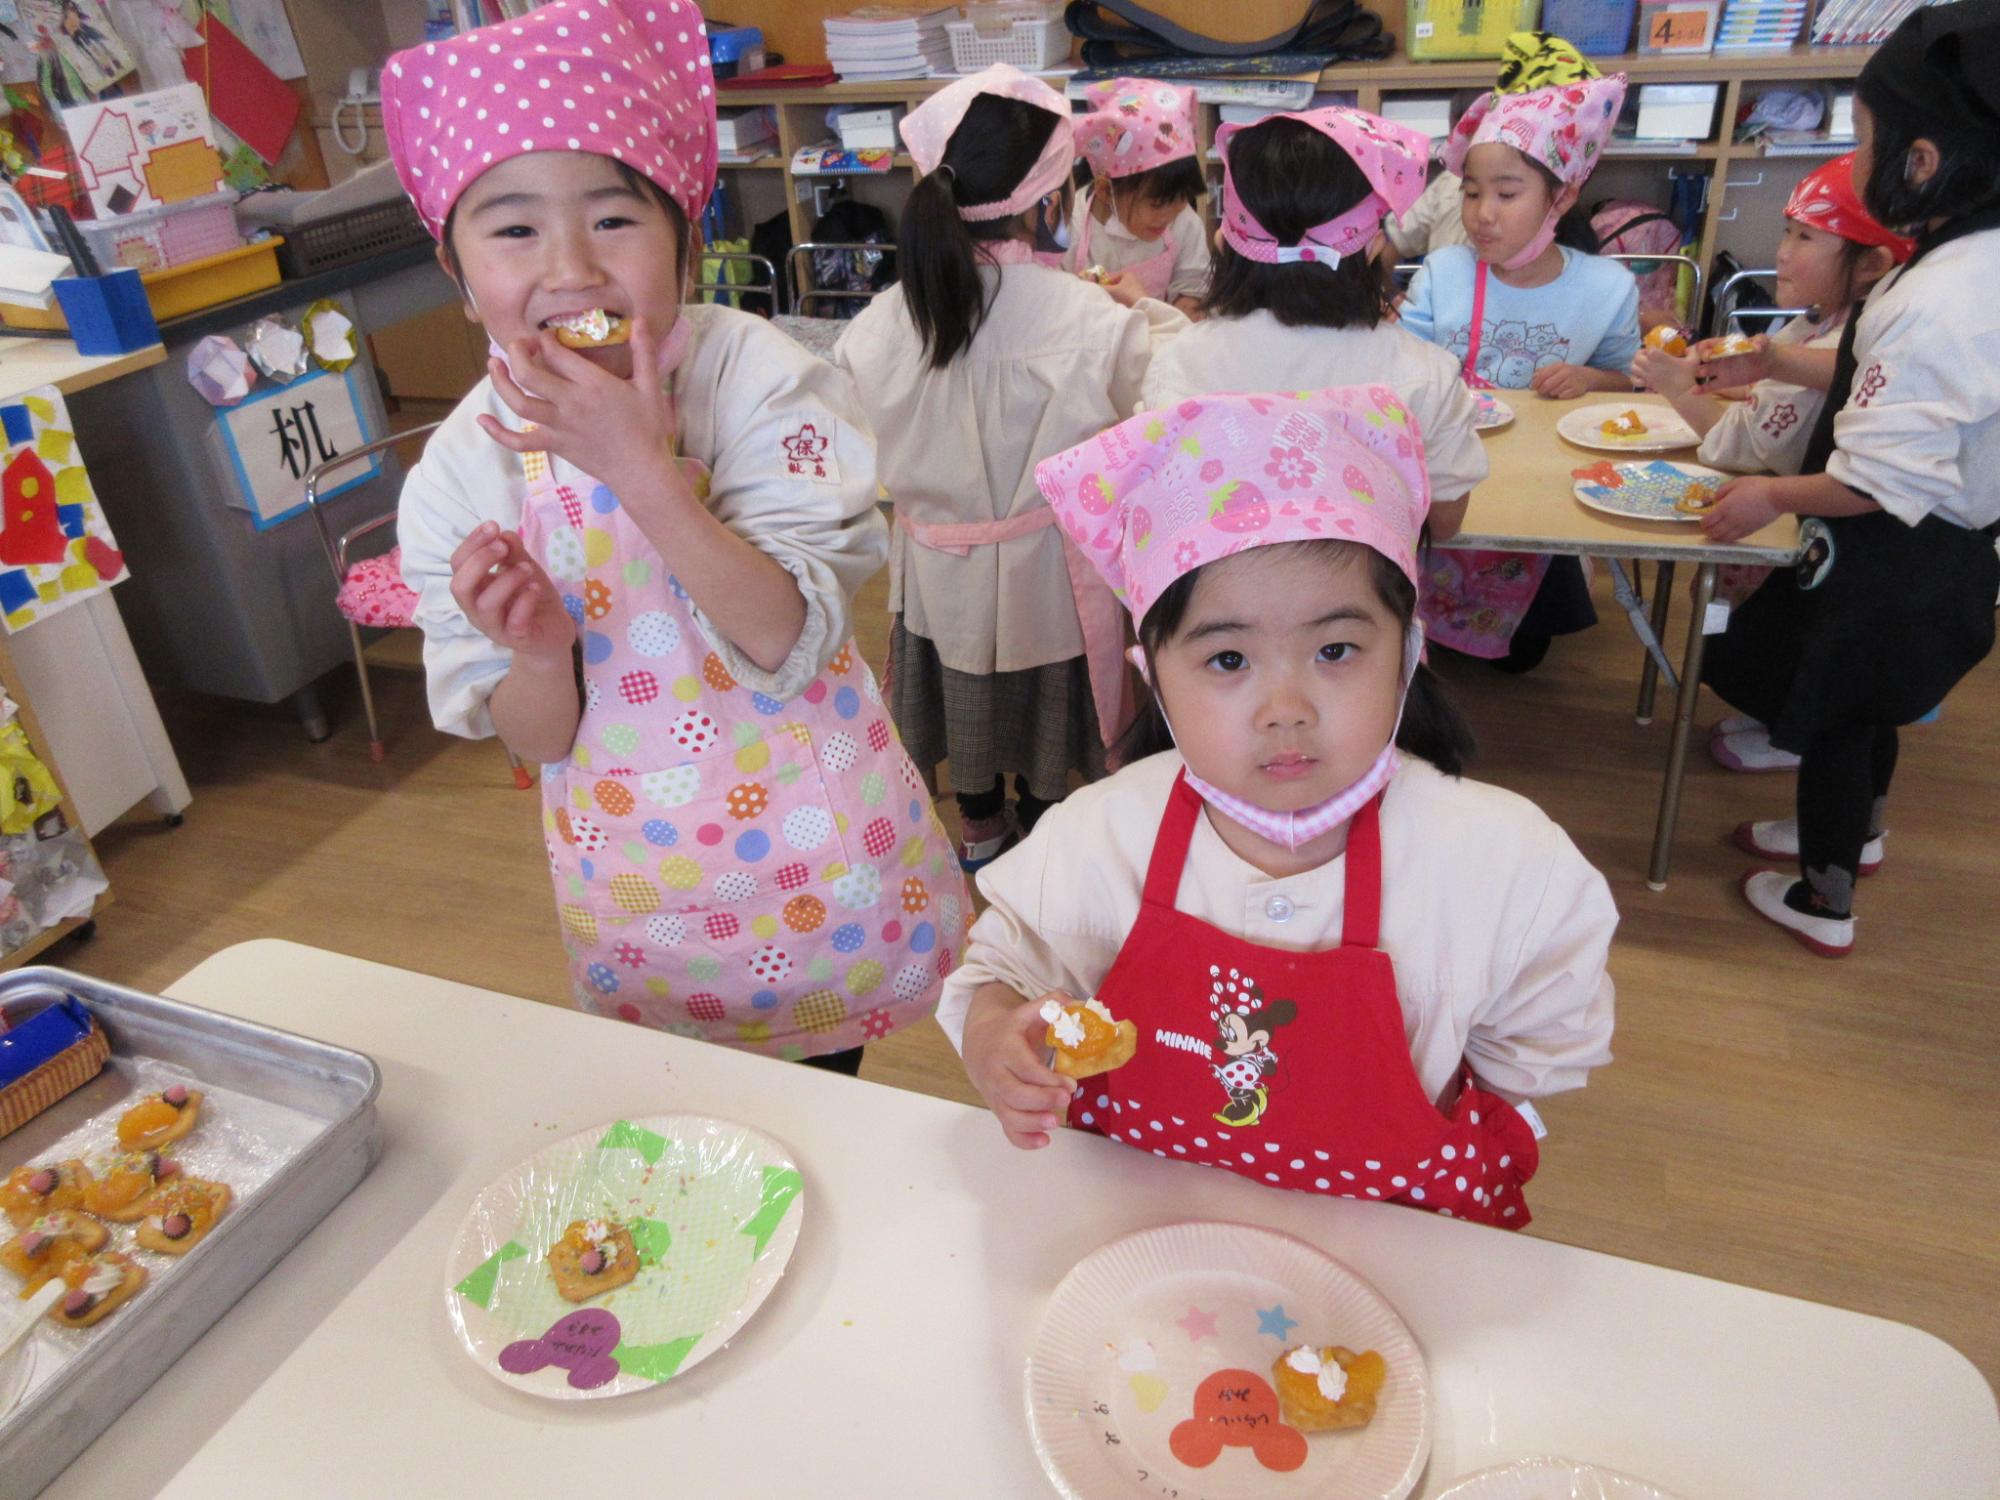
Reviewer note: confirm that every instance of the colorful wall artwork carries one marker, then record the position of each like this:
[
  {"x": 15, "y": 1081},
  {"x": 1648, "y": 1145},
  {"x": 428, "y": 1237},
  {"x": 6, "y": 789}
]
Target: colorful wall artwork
[
  {"x": 55, "y": 546},
  {"x": 145, "y": 150}
]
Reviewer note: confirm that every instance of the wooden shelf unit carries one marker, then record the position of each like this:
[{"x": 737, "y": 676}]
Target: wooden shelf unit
[{"x": 801, "y": 112}]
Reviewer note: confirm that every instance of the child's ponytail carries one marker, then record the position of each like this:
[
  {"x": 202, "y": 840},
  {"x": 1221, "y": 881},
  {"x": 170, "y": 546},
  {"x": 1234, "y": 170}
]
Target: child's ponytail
[{"x": 993, "y": 149}]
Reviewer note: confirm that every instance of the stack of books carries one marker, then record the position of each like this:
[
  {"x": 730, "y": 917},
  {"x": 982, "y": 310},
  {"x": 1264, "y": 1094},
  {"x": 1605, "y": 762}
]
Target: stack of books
[
  {"x": 1748, "y": 25},
  {"x": 1851, "y": 23},
  {"x": 880, "y": 42}
]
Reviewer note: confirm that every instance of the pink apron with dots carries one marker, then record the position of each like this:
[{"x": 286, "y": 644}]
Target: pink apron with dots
[
  {"x": 1472, "y": 599},
  {"x": 1292, "y": 1068},
  {"x": 768, "y": 874}
]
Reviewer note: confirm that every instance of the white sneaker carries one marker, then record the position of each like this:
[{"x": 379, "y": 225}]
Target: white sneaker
[
  {"x": 1779, "y": 839},
  {"x": 1734, "y": 724},
  {"x": 1750, "y": 750},
  {"x": 1829, "y": 937}
]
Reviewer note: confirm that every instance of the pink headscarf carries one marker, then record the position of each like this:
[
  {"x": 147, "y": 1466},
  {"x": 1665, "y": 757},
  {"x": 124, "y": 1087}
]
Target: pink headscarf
[
  {"x": 1134, "y": 125},
  {"x": 1163, "y": 493},
  {"x": 1561, "y": 126},
  {"x": 927, "y": 131},
  {"x": 627, "y": 79},
  {"x": 1392, "y": 157}
]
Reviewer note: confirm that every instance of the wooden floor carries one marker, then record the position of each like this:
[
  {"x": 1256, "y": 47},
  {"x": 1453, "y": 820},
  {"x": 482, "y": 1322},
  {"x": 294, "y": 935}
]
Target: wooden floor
[{"x": 1829, "y": 1130}]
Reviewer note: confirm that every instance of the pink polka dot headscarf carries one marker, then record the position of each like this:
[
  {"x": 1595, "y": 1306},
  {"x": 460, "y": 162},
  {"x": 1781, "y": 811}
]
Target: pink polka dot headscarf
[
  {"x": 1166, "y": 492},
  {"x": 627, "y": 79}
]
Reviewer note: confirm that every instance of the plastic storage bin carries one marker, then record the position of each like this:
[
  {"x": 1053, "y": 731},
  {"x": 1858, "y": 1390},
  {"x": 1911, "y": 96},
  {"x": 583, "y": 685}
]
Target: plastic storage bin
[
  {"x": 1597, "y": 28},
  {"x": 156, "y": 239},
  {"x": 1466, "y": 28},
  {"x": 990, "y": 34}
]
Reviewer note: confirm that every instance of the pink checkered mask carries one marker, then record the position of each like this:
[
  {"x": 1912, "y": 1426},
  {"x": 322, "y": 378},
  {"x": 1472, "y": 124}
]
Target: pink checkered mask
[
  {"x": 1393, "y": 158},
  {"x": 927, "y": 130},
  {"x": 627, "y": 79},
  {"x": 1293, "y": 829}
]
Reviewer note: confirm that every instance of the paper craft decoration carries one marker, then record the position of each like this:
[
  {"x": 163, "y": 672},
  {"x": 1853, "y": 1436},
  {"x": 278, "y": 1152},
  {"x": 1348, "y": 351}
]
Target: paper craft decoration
[
  {"x": 278, "y": 352},
  {"x": 78, "y": 52},
  {"x": 220, "y": 370},
  {"x": 329, "y": 335},
  {"x": 55, "y": 545},
  {"x": 242, "y": 92},
  {"x": 265, "y": 29},
  {"x": 279, "y": 436},
  {"x": 145, "y": 151}
]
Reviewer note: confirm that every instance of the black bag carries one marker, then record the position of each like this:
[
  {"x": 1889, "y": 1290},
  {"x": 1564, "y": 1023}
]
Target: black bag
[
  {"x": 772, "y": 239},
  {"x": 1120, "y": 31}
]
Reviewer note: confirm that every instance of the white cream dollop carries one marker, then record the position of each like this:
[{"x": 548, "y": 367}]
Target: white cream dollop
[
  {"x": 1068, "y": 1029},
  {"x": 597, "y": 1231},
  {"x": 106, "y": 1278},
  {"x": 1332, "y": 1379}
]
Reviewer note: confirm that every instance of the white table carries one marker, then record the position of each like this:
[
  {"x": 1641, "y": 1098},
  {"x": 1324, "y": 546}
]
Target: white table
[{"x": 928, "y": 1251}]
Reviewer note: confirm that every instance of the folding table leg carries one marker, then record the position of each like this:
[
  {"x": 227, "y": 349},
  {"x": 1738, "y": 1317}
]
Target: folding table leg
[
  {"x": 1663, "y": 594},
  {"x": 1677, "y": 743}
]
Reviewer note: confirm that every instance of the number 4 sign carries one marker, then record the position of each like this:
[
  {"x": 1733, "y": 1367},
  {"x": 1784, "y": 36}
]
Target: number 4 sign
[
  {"x": 276, "y": 438},
  {"x": 1679, "y": 28}
]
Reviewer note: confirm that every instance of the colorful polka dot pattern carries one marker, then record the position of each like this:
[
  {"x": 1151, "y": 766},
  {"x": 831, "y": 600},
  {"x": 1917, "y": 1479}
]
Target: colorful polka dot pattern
[
  {"x": 627, "y": 79},
  {"x": 728, "y": 866}
]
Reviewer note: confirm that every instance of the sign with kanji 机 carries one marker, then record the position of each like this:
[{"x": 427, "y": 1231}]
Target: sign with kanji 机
[{"x": 280, "y": 435}]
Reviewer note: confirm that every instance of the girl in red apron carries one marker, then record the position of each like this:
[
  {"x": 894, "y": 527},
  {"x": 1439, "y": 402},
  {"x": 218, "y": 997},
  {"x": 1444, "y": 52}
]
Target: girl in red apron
[
  {"x": 1006, "y": 650},
  {"x": 1347, "y": 969},
  {"x": 1892, "y": 600},
  {"x": 634, "y": 557},
  {"x": 1525, "y": 306},
  {"x": 1139, "y": 219}
]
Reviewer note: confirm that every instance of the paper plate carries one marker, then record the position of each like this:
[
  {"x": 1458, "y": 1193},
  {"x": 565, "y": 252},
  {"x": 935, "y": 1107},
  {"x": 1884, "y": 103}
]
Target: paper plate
[
  {"x": 713, "y": 1209},
  {"x": 1179, "y": 1327},
  {"x": 1648, "y": 492},
  {"x": 1665, "y": 431},
  {"x": 1493, "y": 413},
  {"x": 1551, "y": 1479}
]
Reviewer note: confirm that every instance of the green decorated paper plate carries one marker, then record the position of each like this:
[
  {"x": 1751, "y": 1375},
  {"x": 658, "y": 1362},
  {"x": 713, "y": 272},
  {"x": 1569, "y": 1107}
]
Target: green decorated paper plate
[{"x": 711, "y": 1209}]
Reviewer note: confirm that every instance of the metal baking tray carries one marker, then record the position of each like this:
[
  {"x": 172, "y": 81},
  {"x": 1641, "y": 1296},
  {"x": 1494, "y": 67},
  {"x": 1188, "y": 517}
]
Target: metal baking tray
[{"x": 322, "y": 1096}]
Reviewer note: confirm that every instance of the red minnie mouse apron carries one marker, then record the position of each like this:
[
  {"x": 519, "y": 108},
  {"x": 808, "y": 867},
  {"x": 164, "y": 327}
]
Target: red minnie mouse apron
[{"x": 1292, "y": 1068}]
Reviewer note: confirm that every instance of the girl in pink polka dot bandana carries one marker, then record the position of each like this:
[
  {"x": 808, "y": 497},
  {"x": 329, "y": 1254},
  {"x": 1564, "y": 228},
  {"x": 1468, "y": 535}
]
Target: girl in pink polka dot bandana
[{"x": 635, "y": 546}]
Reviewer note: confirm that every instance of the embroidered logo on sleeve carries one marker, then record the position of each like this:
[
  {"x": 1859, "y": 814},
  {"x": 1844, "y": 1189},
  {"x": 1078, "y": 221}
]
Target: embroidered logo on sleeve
[
  {"x": 1871, "y": 384},
  {"x": 1783, "y": 416},
  {"x": 809, "y": 454}
]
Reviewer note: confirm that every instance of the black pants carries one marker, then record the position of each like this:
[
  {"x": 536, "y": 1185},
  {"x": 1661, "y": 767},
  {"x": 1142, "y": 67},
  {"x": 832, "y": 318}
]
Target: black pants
[
  {"x": 987, "y": 804},
  {"x": 1844, "y": 771},
  {"x": 848, "y": 1062}
]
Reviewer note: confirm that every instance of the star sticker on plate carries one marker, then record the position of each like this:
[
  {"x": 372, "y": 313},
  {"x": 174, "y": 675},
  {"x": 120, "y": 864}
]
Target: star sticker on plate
[
  {"x": 1199, "y": 1325},
  {"x": 1272, "y": 1320}
]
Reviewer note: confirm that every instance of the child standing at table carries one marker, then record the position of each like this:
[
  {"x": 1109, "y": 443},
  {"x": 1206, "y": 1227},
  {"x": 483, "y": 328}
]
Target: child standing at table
[
  {"x": 1005, "y": 649},
  {"x": 1347, "y": 970},
  {"x": 1831, "y": 253},
  {"x": 1892, "y": 602},
  {"x": 1296, "y": 301},
  {"x": 1521, "y": 309},
  {"x": 1138, "y": 217},
  {"x": 634, "y": 545}
]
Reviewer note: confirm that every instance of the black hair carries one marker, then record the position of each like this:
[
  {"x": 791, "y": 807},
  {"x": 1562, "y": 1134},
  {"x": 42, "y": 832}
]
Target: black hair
[
  {"x": 630, "y": 175},
  {"x": 1573, "y": 229},
  {"x": 1290, "y": 178},
  {"x": 1432, "y": 726},
  {"x": 1177, "y": 181},
  {"x": 994, "y": 147},
  {"x": 1967, "y": 178}
]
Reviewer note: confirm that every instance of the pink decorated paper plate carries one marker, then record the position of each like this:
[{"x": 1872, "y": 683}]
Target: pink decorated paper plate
[
  {"x": 1491, "y": 412},
  {"x": 1151, "y": 1374}
]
